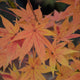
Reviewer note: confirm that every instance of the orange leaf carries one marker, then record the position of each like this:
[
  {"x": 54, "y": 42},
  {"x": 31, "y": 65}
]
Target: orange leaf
[{"x": 74, "y": 77}]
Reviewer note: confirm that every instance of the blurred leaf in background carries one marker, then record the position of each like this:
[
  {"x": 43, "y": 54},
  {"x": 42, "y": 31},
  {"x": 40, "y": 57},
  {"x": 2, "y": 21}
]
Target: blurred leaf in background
[
  {"x": 60, "y": 6},
  {"x": 48, "y": 2},
  {"x": 3, "y": 0},
  {"x": 10, "y": 3}
]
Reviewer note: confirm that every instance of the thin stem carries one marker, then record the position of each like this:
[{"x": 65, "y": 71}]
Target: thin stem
[{"x": 8, "y": 12}]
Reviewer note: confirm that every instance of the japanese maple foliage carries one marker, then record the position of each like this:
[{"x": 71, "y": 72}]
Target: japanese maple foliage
[{"x": 29, "y": 36}]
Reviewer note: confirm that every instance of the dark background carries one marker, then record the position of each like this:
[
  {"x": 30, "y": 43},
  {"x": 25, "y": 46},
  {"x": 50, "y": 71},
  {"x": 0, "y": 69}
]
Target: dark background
[{"x": 47, "y": 6}]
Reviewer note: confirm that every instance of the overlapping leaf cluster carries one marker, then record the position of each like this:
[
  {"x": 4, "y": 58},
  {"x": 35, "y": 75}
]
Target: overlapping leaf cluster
[{"x": 43, "y": 38}]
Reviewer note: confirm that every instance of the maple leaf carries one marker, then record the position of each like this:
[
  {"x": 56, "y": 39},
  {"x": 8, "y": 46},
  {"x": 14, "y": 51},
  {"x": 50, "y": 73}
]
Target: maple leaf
[
  {"x": 73, "y": 9},
  {"x": 64, "y": 72},
  {"x": 72, "y": 46},
  {"x": 7, "y": 49},
  {"x": 69, "y": 11},
  {"x": 75, "y": 64},
  {"x": 34, "y": 69},
  {"x": 8, "y": 32},
  {"x": 13, "y": 75},
  {"x": 34, "y": 33},
  {"x": 65, "y": 31},
  {"x": 60, "y": 15},
  {"x": 57, "y": 16},
  {"x": 75, "y": 13},
  {"x": 75, "y": 76},
  {"x": 59, "y": 55},
  {"x": 28, "y": 13}
]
